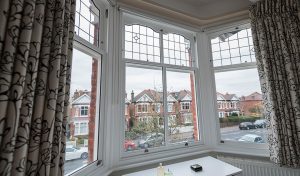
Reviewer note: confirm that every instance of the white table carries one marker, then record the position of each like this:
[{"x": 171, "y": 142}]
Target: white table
[{"x": 210, "y": 165}]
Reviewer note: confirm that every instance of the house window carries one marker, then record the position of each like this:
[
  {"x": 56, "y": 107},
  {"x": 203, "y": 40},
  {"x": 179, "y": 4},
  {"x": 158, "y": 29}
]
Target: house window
[
  {"x": 84, "y": 128},
  {"x": 77, "y": 130},
  {"x": 157, "y": 108},
  {"x": 81, "y": 128},
  {"x": 170, "y": 107},
  {"x": 236, "y": 79},
  {"x": 85, "y": 83},
  {"x": 84, "y": 110},
  {"x": 160, "y": 68},
  {"x": 185, "y": 106},
  {"x": 142, "y": 108}
]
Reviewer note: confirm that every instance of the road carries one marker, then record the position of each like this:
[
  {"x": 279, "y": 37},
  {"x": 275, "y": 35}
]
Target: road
[
  {"x": 72, "y": 165},
  {"x": 234, "y": 133}
]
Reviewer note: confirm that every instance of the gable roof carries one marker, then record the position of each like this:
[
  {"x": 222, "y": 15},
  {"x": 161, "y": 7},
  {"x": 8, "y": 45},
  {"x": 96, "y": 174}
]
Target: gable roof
[
  {"x": 170, "y": 98},
  {"x": 179, "y": 96},
  {"x": 84, "y": 99},
  {"x": 254, "y": 96},
  {"x": 152, "y": 94},
  {"x": 227, "y": 96}
]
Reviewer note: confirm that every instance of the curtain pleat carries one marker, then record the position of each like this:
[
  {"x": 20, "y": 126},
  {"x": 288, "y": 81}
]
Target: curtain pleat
[
  {"x": 276, "y": 38},
  {"x": 36, "y": 39}
]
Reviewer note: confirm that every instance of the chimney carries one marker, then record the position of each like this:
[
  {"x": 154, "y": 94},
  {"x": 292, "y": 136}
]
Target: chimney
[
  {"x": 132, "y": 96},
  {"x": 76, "y": 95}
]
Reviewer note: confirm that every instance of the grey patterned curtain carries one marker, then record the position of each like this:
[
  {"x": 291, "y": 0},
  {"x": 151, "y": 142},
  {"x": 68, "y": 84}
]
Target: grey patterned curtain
[
  {"x": 276, "y": 35},
  {"x": 35, "y": 61}
]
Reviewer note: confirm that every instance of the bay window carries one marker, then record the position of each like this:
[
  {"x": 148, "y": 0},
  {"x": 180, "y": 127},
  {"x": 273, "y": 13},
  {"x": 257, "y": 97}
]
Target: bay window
[
  {"x": 237, "y": 82},
  {"x": 160, "y": 71}
]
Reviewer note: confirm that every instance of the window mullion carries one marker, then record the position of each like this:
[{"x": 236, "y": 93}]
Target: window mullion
[
  {"x": 165, "y": 102},
  {"x": 161, "y": 46}
]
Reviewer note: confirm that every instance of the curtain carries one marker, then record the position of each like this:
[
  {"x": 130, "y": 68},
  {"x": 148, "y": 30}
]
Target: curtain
[
  {"x": 35, "y": 60},
  {"x": 276, "y": 36}
]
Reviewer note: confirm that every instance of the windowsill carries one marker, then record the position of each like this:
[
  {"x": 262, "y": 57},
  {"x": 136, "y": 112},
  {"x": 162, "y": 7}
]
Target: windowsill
[
  {"x": 256, "y": 150},
  {"x": 168, "y": 153}
]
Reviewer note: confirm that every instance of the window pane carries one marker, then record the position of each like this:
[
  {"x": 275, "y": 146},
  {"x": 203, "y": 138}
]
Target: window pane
[
  {"x": 87, "y": 21},
  {"x": 240, "y": 109},
  {"x": 144, "y": 112},
  {"x": 183, "y": 123},
  {"x": 177, "y": 50},
  {"x": 140, "y": 44},
  {"x": 232, "y": 45},
  {"x": 82, "y": 112}
]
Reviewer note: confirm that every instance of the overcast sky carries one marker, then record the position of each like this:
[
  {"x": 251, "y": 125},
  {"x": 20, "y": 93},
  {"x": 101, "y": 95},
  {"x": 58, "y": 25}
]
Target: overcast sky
[
  {"x": 81, "y": 71},
  {"x": 139, "y": 79},
  {"x": 241, "y": 82}
]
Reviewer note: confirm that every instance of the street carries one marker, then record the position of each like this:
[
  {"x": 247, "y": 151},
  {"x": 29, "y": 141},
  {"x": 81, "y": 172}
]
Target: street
[
  {"x": 228, "y": 133},
  {"x": 234, "y": 133},
  {"x": 72, "y": 165}
]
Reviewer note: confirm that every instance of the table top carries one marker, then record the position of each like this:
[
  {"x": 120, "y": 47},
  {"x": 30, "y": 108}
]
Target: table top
[{"x": 210, "y": 165}]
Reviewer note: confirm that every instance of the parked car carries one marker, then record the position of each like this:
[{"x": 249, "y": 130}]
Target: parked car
[
  {"x": 261, "y": 123},
  {"x": 251, "y": 138},
  {"x": 152, "y": 140},
  {"x": 76, "y": 153},
  {"x": 129, "y": 145},
  {"x": 246, "y": 126}
]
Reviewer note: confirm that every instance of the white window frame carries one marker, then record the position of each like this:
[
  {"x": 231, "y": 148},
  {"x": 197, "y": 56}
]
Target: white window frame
[
  {"x": 78, "y": 125},
  {"x": 221, "y": 145},
  {"x": 129, "y": 18},
  {"x": 99, "y": 52},
  {"x": 87, "y": 109},
  {"x": 185, "y": 104},
  {"x": 144, "y": 107},
  {"x": 170, "y": 107}
]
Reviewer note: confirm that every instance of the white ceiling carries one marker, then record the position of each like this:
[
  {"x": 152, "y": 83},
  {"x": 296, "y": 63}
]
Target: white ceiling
[
  {"x": 203, "y": 9},
  {"x": 194, "y": 12}
]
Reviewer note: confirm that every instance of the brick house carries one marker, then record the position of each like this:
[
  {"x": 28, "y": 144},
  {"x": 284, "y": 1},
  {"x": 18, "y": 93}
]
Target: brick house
[
  {"x": 79, "y": 113},
  {"x": 227, "y": 105},
  {"x": 149, "y": 103},
  {"x": 251, "y": 105}
]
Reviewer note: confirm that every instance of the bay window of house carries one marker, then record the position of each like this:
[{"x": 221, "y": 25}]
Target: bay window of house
[
  {"x": 83, "y": 122},
  {"x": 159, "y": 70},
  {"x": 237, "y": 81}
]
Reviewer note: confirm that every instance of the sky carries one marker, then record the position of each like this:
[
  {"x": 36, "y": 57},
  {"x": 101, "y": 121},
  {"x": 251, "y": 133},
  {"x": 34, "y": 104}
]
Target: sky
[
  {"x": 81, "y": 71},
  {"x": 139, "y": 79},
  {"x": 240, "y": 82}
]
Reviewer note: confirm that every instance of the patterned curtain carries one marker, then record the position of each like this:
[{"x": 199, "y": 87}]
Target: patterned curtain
[
  {"x": 276, "y": 35},
  {"x": 35, "y": 60}
]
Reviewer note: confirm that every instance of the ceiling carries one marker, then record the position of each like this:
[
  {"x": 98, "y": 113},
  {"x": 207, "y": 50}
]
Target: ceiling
[{"x": 194, "y": 12}]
